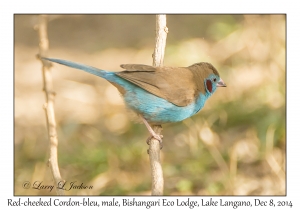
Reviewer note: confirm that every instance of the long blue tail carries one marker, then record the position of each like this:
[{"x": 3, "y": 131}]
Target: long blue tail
[{"x": 86, "y": 68}]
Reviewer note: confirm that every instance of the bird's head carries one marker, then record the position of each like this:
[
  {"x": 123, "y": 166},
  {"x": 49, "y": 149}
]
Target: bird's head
[{"x": 207, "y": 73}]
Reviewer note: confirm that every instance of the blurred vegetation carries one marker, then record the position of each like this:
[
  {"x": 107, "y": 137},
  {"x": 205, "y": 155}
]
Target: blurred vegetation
[{"x": 236, "y": 145}]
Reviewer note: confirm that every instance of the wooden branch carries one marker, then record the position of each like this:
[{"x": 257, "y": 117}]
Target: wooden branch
[
  {"x": 49, "y": 105},
  {"x": 154, "y": 147},
  {"x": 160, "y": 40}
]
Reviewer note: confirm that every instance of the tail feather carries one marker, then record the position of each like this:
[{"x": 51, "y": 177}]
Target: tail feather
[{"x": 86, "y": 68}]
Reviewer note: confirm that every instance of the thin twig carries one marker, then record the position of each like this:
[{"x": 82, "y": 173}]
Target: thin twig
[
  {"x": 49, "y": 105},
  {"x": 154, "y": 147}
]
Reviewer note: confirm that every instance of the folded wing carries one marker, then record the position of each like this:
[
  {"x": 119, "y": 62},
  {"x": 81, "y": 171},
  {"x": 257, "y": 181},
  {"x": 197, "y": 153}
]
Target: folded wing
[{"x": 176, "y": 85}]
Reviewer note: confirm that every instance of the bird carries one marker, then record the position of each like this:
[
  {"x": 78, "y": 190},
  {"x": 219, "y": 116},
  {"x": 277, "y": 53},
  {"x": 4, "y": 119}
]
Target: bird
[{"x": 161, "y": 94}]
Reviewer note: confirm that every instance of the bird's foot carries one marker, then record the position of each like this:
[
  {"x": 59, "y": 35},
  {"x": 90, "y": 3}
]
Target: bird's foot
[
  {"x": 152, "y": 132},
  {"x": 157, "y": 137}
]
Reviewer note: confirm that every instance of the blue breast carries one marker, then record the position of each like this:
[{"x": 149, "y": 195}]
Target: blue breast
[{"x": 155, "y": 110}]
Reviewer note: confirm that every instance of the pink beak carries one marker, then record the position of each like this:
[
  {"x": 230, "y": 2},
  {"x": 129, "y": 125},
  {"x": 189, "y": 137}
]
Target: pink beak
[{"x": 221, "y": 83}]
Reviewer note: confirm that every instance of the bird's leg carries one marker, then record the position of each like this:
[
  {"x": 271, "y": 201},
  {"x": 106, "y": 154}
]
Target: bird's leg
[{"x": 153, "y": 134}]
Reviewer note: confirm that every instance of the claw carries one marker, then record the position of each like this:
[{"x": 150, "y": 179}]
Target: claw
[{"x": 157, "y": 137}]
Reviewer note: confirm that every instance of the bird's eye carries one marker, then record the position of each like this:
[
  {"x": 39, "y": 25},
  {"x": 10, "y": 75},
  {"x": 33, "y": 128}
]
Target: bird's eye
[{"x": 215, "y": 79}]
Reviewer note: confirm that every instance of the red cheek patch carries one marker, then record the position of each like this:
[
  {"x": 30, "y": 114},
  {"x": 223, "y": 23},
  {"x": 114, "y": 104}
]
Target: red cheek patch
[{"x": 209, "y": 85}]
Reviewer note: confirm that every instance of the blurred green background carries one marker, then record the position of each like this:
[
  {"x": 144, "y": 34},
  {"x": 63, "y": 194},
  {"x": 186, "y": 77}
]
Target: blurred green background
[{"x": 234, "y": 146}]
